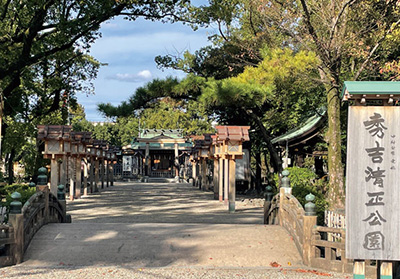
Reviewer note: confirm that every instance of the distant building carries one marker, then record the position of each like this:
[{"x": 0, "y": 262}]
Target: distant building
[{"x": 156, "y": 153}]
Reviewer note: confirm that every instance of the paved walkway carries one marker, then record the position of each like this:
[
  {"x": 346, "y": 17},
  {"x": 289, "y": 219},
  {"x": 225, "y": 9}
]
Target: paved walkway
[{"x": 154, "y": 230}]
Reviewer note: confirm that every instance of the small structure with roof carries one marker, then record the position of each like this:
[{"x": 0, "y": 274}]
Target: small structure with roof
[{"x": 156, "y": 153}]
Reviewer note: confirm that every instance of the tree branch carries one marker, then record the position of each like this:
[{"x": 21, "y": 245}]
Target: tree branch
[
  {"x": 347, "y": 4},
  {"x": 371, "y": 53}
]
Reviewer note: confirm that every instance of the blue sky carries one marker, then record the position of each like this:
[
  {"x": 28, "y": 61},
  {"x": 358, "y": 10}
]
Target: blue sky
[{"x": 129, "y": 49}]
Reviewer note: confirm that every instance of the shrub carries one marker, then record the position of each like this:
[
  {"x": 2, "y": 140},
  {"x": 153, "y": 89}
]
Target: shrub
[
  {"x": 6, "y": 191},
  {"x": 304, "y": 181}
]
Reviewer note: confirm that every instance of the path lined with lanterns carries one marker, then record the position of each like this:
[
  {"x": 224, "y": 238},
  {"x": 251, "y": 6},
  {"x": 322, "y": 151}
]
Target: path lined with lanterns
[
  {"x": 77, "y": 159},
  {"x": 161, "y": 230},
  {"x": 148, "y": 230}
]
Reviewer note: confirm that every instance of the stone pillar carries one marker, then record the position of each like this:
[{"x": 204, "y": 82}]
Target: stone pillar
[
  {"x": 96, "y": 176},
  {"x": 215, "y": 179},
  {"x": 226, "y": 180},
  {"x": 176, "y": 161},
  {"x": 78, "y": 180},
  {"x": 85, "y": 176},
  {"x": 54, "y": 176},
  {"x": 232, "y": 185},
  {"x": 221, "y": 179}
]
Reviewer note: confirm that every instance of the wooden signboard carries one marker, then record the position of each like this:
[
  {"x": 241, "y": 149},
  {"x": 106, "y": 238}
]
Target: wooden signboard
[{"x": 372, "y": 183}]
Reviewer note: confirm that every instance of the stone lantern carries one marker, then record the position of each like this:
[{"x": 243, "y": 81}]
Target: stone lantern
[
  {"x": 57, "y": 146},
  {"x": 229, "y": 140}
]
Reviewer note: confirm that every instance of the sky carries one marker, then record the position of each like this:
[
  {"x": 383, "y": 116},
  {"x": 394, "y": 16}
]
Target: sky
[{"x": 129, "y": 49}]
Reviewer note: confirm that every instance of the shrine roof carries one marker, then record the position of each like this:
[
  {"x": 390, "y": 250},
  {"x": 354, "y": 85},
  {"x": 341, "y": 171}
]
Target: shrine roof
[
  {"x": 168, "y": 133},
  {"x": 308, "y": 128},
  {"x": 368, "y": 88},
  {"x": 54, "y": 132},
  {"x": 235, "y": 133}
]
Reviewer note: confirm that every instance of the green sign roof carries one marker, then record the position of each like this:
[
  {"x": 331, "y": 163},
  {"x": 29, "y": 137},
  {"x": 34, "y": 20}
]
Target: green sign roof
[{"x": 371, "y": 88}]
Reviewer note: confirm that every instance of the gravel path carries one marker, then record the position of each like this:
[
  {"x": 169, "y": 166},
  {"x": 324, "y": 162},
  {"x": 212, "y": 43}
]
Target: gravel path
[{"x": 154, "y": 230}]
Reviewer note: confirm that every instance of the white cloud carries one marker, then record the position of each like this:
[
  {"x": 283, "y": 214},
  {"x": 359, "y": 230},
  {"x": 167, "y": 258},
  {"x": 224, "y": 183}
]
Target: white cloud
[
  {"x": 146, "y": 44},
  {"x": 146, "y": 74},
  {"x": 139, "y": 77}
]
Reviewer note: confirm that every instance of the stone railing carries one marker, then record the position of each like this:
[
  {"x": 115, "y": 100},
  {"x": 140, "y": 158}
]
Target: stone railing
[
  {"x": 7, "y": 245},
  {"x": 42, "y": 208},
  {"x": 311, "y": 240},
  {"x": 24, "y": 221}
]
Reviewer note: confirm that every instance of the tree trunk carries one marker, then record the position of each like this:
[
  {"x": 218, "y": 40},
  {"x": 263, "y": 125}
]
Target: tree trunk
[
  {"x": 275, "y": 159},
  {"x": 336, "y": 194},
  {"x": 11, "y": 167}
]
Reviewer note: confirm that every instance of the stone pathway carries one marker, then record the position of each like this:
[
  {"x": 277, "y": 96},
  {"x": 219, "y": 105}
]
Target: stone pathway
[{"x": 155, "y": 230}]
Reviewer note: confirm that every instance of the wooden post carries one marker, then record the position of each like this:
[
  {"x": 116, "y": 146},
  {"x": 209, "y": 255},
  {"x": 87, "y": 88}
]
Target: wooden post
[
  {"x": 147, "y": 166},
  {"x": 63, "y": 170},
  {"x": 215, "y": 179},
  {"x": 91, "y": 175},
  {"x": 112, "y": 172},
  {"x": 308, "y": 224},
  {"x": 388, "y": 270},
  {"x": 221, "y": 179},
  {"x": 107, "y": 162},
  {"x": 17, "y": 222},
  {"x": 359, "y": 269},
  {"x": 226, "y": 180},
  {"x": 194, "y": 171},
  {"x": 54, "y": 176},
  {"x": 102, "y": 170},
  {"x": 204, "y": 180},
  {"x": 176, "y": 161},
  {"x": 78, "y": 170},
  {"x": 232, "y": 185},
  {"x": 96, "y": 176},
  {"x": 85, "y": 176},
  {"x": 72, "y": 177}
]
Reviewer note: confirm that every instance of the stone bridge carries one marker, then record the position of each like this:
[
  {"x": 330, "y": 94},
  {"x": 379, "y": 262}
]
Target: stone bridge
[{"x": 162, "y": 230}]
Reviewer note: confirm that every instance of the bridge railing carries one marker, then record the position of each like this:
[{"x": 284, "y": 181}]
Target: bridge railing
[
  {"x": 312, "y": 242},
  {"x": 25, "y": 221},
  {"x": 7, "y": 243}
]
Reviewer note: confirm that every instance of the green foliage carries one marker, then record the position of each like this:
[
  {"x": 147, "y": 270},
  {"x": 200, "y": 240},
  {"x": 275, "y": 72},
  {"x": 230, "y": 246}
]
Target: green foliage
[
  {"x": 167, "y": 103},
  {"x": 6, "y": 191},
  {"x": 304, "y": 181}
]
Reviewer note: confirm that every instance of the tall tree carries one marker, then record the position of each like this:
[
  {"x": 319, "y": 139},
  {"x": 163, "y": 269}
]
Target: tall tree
[
  {"x": 33, "y": 31},
  {"x": 165, "y": 103},
  {"x": 353, "y": 39}
]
